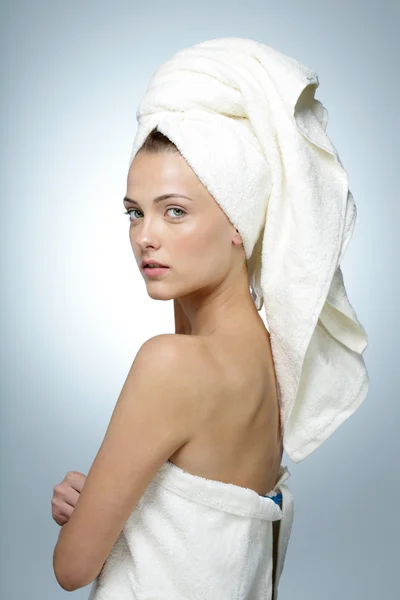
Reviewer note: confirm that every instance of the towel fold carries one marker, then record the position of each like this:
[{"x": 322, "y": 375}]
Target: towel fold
[{"x": 245, "y": 118}]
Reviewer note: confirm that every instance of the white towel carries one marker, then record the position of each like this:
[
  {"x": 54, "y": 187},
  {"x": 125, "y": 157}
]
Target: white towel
[
  {"x": 245, "y": 118},
  {"x": 192, "y": 538}
]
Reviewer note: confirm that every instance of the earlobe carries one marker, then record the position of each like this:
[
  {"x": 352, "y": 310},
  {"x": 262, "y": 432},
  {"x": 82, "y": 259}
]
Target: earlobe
[{"x": 241, "y": 241}]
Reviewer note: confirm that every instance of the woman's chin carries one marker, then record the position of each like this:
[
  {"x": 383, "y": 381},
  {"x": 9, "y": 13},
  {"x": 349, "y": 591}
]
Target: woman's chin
[{"x": 159, "y": 294}]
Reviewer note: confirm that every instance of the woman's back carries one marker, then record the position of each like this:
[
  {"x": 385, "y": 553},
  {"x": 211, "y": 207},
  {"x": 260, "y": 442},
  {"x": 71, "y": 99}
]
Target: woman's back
[
  {"x": 238, "y": 436},
  {"x": 203, "y": 529}
]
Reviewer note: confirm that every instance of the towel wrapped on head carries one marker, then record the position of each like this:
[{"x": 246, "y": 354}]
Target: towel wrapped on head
[{"x": 245, "y": 118}]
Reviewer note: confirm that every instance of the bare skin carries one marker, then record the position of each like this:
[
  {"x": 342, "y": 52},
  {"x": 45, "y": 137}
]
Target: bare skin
[{"x": 238, "y": 438}]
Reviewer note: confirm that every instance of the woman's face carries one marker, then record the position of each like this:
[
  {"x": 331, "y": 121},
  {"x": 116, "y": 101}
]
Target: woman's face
[{"x": 191, "y": 235}]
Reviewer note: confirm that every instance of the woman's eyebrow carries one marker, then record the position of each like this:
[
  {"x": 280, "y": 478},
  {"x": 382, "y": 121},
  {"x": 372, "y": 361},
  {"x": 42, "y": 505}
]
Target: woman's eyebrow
[{"x": 158, "y": 198}]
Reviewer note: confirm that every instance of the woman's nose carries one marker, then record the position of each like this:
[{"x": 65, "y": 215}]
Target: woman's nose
[{"x": 147, "y": 237}]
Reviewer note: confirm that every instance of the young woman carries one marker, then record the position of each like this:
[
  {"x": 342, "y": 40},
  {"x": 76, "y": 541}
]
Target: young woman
[
  {"x": 186, "y": 497},
  {"x": 205, "y": 399}
]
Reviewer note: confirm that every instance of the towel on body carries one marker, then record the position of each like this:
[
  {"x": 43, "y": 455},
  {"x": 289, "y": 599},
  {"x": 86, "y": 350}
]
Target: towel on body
[
  {"x": 245, "y": 118},
  {"x": 191, "y": 538}
]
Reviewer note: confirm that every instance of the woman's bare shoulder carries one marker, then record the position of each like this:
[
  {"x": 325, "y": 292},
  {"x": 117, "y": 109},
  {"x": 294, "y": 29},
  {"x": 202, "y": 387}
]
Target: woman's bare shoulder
[
  {"x": 193, "y": 360},
  {"x": 191, "y": 348}
]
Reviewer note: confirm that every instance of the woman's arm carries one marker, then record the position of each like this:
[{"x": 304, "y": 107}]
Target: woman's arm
[{"x": 182, "y": 323}]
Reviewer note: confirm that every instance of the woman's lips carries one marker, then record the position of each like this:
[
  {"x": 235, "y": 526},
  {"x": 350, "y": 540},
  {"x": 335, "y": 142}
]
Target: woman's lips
[{"x": 154, "y": 271}]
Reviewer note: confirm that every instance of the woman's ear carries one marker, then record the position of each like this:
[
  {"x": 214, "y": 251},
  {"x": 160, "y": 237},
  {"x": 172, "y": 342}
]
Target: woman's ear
[{"x": 237, "y": 239}]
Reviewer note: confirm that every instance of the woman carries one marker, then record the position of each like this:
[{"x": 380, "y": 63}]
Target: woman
[
  {"x": 239, "y": 438},
  {"x": 186, "y": 497},
  {"x": 233, "y": 429}
]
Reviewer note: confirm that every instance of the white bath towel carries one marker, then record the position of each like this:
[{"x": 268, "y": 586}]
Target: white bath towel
[
  {"x": 245, "y": 118},
  {"x": 192, "y": 538}
]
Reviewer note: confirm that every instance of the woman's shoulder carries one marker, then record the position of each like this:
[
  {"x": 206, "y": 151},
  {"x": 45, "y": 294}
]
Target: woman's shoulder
[
  {"x": 174, "y": 342},
  {"x": 190, "y": 350},
  {"x": 189, "y": 365}
]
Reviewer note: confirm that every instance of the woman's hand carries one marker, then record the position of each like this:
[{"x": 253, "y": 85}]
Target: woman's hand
[{"x": 66, "y": 495}]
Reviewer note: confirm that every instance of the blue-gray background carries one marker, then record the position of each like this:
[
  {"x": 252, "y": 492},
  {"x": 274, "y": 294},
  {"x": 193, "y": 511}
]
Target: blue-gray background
[{"x": 75, "y": 308}]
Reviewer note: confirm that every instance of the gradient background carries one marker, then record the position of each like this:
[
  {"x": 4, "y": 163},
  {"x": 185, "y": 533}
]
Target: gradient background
[{"x": 74, "y": 305}]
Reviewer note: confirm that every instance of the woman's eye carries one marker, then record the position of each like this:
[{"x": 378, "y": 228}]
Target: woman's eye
[
  {"x": 129, "y": 212},
  {"x": 134, "y": 210},
  {"x": 182, "y": 211}
]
